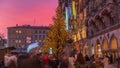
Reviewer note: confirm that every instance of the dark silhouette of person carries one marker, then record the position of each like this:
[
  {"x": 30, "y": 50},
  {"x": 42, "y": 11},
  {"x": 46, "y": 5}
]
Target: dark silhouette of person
[
  {"x": 111, "y": 58},
  {"x": 87, "y": 58},
  {"x": 30, "y": 63},
  {"x": 64, "y": 62},
  {"x": 80, "y": 59}
]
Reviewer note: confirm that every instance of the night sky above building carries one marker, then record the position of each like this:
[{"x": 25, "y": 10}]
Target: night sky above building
[{"x": 33, "y": 12}]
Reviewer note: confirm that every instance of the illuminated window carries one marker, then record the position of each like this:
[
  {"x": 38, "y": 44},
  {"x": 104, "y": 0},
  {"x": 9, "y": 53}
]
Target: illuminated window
[
  {"x": 98, "y": 49},
  {"x": 28, "y": 39},
  {"x": 16, "y": 41},
  {"x": 19, "y": 41},
  {"x": 84, "y": 32},
  {"x": 93, "y": 52},
  {"x": 20, "y": 31},
  {"x": 78, "y": 36},
  {"x": 39, "y": 40},
  {"x": 16, "y": 31}
]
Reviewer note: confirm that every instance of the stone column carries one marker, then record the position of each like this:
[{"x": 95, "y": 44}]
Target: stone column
[
  {"x": 89, "y": 48},
  {"x": 119, "y": 10},
  {"x": 119, "y": 43}
]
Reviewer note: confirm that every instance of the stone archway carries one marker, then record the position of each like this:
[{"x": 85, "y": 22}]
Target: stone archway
[
  {"x": 113, "y": 43},
  {"x": 114, "y": 48},
  {"x": 105, "y": 46},
  {"x": 98, "y": 48},
  {"x": 93, "y": 50}
]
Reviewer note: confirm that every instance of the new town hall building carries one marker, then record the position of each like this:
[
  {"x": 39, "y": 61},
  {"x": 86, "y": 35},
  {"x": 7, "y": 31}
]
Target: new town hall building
[{"x": 96, "y": 26}]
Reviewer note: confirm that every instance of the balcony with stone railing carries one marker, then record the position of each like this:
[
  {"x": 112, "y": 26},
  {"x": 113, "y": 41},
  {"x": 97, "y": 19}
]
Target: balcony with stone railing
[
  {"x": 93, "y": 33},
  {"x": 111, "y": 22},
  {"x": 100, "y": 7}
]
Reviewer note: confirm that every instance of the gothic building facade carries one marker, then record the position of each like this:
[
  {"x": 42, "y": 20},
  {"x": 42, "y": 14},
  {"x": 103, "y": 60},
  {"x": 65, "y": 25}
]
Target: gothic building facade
[
  {"x": 103, "y": 28},
  {"x": 97, "y": 26}
]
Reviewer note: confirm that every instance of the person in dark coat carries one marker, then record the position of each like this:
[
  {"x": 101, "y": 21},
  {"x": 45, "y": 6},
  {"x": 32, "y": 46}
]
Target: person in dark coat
[
  {"x": 12, "y": 65},
  {"x": 64, "y": 62},
  {"x": 80, "y": 59},
  {"x": 87, "y": 58},
  {"x": 92, "y": 59},
  {"x": 111, "y": 58},
  {"x": 80, "y": 62},
  {"x": 30, "y": 63}
]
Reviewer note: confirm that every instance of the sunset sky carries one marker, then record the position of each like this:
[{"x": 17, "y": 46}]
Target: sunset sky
[{"x": 22, "y": 12}]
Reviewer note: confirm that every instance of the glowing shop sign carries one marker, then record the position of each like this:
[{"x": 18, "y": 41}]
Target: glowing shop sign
[
  {"x": 70, "y": 11},
  {"x": 51, "y": 51},
  {"x": 66, "y": 18},
  {"x": 74, "y": 9},
  {"x": 31, "y": 46}
]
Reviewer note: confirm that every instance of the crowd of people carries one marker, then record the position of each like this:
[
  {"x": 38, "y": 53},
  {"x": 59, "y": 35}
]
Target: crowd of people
[
  {"x": 52, "y": 61},
  {"x": 46, "y": 60}
]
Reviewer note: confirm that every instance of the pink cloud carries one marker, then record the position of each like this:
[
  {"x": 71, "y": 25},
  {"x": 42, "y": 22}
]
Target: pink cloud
[{"x": 25, "y": 11}]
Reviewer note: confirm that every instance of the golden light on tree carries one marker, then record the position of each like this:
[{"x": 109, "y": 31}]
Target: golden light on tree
[{"x": 57, "y": 35}]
